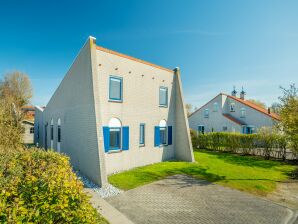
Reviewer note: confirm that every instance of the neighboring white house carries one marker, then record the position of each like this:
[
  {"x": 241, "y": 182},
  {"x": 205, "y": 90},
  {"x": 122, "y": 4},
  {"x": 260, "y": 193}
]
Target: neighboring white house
[
  {"x": 228, "y": 113},
  {"x": 113, "y": 112},
  {"x": 28, "y": 135}
]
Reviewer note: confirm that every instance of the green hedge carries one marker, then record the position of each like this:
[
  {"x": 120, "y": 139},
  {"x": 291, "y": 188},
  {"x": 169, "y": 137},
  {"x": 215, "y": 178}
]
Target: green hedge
[
  {"x": 39, "y": 187},
  {"x": 264, "y": 144}
]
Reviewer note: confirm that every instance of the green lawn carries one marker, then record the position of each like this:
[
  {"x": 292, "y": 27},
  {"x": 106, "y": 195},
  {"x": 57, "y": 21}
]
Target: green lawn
[{"x": 245, "y": 173}]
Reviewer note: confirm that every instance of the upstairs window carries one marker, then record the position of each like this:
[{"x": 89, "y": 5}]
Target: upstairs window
[
  {"x": 32, "y": 130},
  {"x": 242, "y": 113},
  {"x": 232, "y": 107},
  {"x": 142, "y": 135},
  {"x": 215, "y": 107},
  {"x": 163, "y": 96},
  {"x": 115, "y": 90},
  {"x": 206, "y": 113}
]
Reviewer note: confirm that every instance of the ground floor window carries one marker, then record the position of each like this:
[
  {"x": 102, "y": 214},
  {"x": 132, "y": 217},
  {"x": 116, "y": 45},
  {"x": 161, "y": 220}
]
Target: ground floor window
[
  {"x": 163, "y": 135},
  {"x": 201, "y": 129},
  {"x": 142, "y": 135},
  {"x": 115, "y": 138}
]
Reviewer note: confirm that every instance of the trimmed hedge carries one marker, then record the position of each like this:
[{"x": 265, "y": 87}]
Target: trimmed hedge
[
  {"x": 40, "y": 187},
  {"x": 264, "y": 144}
]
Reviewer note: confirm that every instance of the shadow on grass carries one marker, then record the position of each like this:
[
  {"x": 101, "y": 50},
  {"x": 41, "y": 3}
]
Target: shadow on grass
[
  {"x": 243, "y": 160},
  {"x": 141, "y": 176}
]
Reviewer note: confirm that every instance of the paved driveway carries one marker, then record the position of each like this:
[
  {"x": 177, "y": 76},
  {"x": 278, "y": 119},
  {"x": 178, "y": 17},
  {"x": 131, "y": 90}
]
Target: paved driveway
[{"x": 182, "y": 199}]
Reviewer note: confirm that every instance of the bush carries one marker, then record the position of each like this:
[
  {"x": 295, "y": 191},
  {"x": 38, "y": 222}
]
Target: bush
[
  {"x": 39, "y": 187},
  {"x": 264, "y": 142}
]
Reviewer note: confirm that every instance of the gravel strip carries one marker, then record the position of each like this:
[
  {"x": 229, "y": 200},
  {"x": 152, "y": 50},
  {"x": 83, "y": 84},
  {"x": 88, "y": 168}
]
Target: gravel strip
[{"x": 104, "y": 192}]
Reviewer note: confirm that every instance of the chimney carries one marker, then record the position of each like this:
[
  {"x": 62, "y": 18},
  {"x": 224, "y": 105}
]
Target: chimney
[
  {"x": 269, "y": 110},
  {"x": 234, "y": 92},
  {"x": 242, "y": 94}
]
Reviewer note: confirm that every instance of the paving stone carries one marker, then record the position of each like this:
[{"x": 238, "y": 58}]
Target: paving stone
[{"x": 182, "y": 199}]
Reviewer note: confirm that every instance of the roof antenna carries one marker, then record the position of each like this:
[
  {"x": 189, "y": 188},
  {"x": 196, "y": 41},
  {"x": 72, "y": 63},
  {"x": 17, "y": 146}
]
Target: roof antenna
[
  {"x": 234, "y": 92},
  {"x": 242, "y": 94}
]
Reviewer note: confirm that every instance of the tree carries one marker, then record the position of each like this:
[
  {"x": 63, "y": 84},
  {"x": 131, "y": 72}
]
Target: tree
[
  {"x": 188, "y": 107},
  {"x": 16, "y": 88},
  {"x": 15, "y": 92},
  {"x": 275, "y": 107},
  {"x": 258, "y": 102},
  {"x": 289, "y": 114}
]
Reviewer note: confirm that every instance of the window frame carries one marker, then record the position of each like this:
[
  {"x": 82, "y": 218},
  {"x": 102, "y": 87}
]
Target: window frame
[
  {"x": 232, "y": 105},
  {"x": 120, "y": 138},
  {"x": 242, "y": 112},
  {"x": 167, "y": 96},
  {"x": 142, "y": 140},
  {"x": 215, "y": 107},
  {"x": 206, "y": 115},
  {"x": 119, "y": 100},
  {"x": 165, "y": 129},
  {"x": 52, "y": 132},
  {"x": 202, "y": 131}
]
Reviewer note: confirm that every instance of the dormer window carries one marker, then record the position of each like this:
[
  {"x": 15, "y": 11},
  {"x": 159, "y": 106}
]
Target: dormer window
[
  {"x": 232, "y": 107},
  {"x": 206, "y": 113},
  {"x": 215, "y": 107},
  {"x": 242, "y": 113}
]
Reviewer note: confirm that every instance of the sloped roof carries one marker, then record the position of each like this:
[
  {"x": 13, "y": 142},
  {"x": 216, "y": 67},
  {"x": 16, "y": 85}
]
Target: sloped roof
[
  {"x": 234, "y": 119},
  {"x": 132, "y": 58},
  {"x": 245, "y": 102},
  {"x": 256, "y": 107}
]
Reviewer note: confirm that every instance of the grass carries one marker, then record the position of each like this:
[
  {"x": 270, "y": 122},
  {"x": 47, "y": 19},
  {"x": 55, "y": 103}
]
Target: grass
[{"x": 245, "y": 173}]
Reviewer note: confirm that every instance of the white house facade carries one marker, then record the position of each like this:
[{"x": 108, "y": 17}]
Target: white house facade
[
  {"x": 228, "y": 113},
  {"x": 113, "y": 112}
]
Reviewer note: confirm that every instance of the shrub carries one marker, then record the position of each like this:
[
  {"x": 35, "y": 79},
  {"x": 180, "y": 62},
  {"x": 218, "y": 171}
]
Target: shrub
[
  {"x": 39, "y": 187},
  {"x": 265, "y": 142}
]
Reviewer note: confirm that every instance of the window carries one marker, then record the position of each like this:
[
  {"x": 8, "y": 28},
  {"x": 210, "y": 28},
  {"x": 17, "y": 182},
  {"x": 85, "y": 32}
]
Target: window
[
  {"x": 115, "y": 91},
  {"x": 206, "y": 113},
  {"x": 115, "y": 138},
  {"x": 250, "y": 130},
  {"x": 142, "y": 135},
  {"x": 37, "y": 131},
  {"x": 59, "y": 130},
  {"x": 32, "y": 130},
  {"x": 201, "y": 129},
  {"x": 163, "y": 134},
  {"x": 242, "y": 113},
  {"x": 52, "y": 130},
  {"x": 224, "y": 128},
  {"x": 215, "y": 107},
  {"x": 232, "y": 107},
  {"x": 163, "y": 96}
]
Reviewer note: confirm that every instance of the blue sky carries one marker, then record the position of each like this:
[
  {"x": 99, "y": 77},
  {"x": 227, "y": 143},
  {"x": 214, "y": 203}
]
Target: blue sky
[{"x": 217, "y": 44}]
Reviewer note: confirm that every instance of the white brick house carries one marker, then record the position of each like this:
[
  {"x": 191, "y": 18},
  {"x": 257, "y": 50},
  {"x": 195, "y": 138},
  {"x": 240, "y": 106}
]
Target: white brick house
[
  {"x": 228, "y": 113},
  {"x": 113, "y": 112}
]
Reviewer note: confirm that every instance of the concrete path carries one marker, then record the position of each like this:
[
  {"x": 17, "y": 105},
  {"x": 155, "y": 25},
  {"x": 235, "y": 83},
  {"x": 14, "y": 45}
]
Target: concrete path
[
  {"x": 106, "y": 210},
  {"x": 182, "y": 199}
]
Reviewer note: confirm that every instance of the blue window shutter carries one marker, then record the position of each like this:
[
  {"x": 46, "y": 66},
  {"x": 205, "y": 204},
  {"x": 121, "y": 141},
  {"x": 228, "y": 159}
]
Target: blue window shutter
[
  {"x": 156, "y": 136},
  {"x": 170, "y": 135},
  {"x": 106, "y": 138},
  {"x": 125, "y": 138}
]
